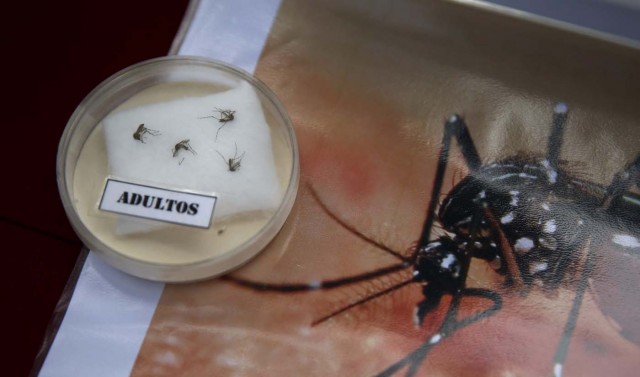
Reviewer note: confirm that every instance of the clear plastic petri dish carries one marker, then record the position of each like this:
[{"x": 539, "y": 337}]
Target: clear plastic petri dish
[{"x": 178, "y": 168}]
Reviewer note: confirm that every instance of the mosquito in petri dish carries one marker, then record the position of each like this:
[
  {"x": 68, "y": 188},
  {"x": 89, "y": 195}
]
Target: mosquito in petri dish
[
  {"x": 233, "y": 163},
  {"x": 225, "y": 116},
  {"x": 141, "y": 131},
  {"x": 182, "y": 145}
]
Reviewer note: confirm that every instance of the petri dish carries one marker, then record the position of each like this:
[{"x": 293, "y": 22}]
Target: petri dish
[{"x": 178, "y": 168}]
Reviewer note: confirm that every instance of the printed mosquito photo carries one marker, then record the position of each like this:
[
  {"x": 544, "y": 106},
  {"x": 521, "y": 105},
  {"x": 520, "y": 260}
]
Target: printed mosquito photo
[
  {"x": 541, "y": 227},
  {"x": 469, "y": 205}
]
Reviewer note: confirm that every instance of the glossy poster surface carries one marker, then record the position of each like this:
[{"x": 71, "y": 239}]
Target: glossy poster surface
[{"x": 353, "y": 285}]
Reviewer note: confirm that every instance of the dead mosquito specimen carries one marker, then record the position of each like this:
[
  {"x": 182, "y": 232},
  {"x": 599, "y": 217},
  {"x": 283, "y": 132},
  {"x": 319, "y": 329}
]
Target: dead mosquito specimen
[
  {"x": 225, "y": 116},
  {"x": 138, "y": 135},
  {"x": 184, "y": 144},
  {"x": 234, "y": 162}
]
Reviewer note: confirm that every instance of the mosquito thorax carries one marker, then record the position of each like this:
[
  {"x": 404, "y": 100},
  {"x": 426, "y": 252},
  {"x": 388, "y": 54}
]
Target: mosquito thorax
[
  {"x": 505, "y": 186},
  {"x": 518, "y": 193}
]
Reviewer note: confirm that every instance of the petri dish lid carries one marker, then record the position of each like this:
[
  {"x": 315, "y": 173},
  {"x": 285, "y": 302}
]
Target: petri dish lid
[{"x": 178, "y": 168}]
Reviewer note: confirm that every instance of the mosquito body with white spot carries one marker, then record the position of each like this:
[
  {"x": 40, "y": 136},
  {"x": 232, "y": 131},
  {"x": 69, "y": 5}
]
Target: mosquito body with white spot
[{"x": 531, "y": 219}]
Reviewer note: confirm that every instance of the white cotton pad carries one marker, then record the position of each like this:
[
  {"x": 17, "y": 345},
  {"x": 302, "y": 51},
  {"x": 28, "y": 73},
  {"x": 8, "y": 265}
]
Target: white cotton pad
[{"x": 246, "y": 140}]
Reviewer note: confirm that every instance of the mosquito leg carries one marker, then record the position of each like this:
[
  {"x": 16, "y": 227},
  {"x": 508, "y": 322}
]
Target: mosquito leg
[
  {"x": 558, "y": 269},
  {"x": 430, "y": 303},
  {"x": 506, "y": 249},
  {"x": 415, "y": 358},
  {"x": 450, "y": 325},
  {"x": 563, "y": 347},
  {"x": 453, "y": 128},
  {"x": 473, "y": 231},
  {"x": 151, "y": 132},
  {"x": 223, "y": 159},
  {"x": 557, "y": 134},
  {"x": 622, "y": 182},
  {"x": 317, "y": 285},
  {"x": 219, "y": 128},
  {"x": 362, "y": 301}
]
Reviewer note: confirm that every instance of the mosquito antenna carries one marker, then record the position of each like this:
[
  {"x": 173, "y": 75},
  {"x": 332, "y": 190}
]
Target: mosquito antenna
[
  {"x": 354, "y": 231},
  {"x": 361, "y": 301}
]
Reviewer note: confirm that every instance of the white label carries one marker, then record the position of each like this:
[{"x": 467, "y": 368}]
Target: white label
[{"x": 155, "y": 203}]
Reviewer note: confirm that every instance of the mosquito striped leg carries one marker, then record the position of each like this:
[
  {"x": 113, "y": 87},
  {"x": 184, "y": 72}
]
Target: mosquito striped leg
[
  {"x": 415, "y": 358},
  {"x": 556, "y": 137},
  {"x": 450, "y": 325},
  {"x": 453, "y": 128},
  {"x": 317, "y": 285},
  {"x": 569, "y": 327}
]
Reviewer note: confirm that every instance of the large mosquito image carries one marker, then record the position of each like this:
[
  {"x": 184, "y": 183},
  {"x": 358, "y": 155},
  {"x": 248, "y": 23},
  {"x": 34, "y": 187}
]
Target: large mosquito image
[{"x": 542, "y": 227}]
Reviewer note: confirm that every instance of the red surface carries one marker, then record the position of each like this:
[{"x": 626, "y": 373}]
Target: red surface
[{"x": 56, "y": 52}]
